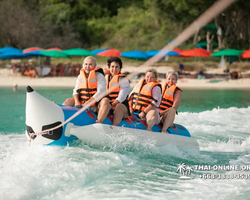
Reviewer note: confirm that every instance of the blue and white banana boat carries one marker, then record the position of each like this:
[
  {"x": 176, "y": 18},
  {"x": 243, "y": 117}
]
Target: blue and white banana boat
[{"x": 43, "y": 114}]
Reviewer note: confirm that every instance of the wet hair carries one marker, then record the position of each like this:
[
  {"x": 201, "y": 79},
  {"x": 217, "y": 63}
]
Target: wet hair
[
  {"x": 90, "y": 57},
  {"x": 172, "y": 72},
  {"x": 153, "y": 71},
  {"x": 114, "y": 59}
]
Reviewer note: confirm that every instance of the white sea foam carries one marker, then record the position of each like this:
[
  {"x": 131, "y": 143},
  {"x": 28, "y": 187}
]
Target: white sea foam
[
  {"x": 122, "y": 171},
  {"x": 219, "y": 129}
]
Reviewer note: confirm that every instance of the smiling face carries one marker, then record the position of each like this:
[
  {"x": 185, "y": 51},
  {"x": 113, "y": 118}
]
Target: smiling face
[
  {"x": 88, "y": 65},
  {"x": 171, "y": 80},
  {"x": 150, "y": 77},
  {"x": 114, "y": 68}
]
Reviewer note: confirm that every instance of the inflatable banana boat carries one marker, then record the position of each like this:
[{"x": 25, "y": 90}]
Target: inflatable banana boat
[{"x": 43, "y": 114}]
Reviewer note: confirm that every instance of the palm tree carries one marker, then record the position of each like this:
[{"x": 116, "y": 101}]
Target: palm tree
[
  {"x": 181, "y": 168},
  {"x": 188, "y": 170}
]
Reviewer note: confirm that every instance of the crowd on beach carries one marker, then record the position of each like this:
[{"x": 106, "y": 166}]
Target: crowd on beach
[
  {"x": 150, "y": 100},
  {"x": 47, "y": 69},
  {"x": 31, "y": 69}
]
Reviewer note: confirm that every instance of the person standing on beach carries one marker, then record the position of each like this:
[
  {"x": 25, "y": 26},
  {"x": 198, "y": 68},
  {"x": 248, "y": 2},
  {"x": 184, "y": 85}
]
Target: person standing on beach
[
  {"x": 171, "y": 100},
  {"x": 89, "y": 84},
  {"x": 118, "y": 97},
  {"x": 145, "y": 98}
]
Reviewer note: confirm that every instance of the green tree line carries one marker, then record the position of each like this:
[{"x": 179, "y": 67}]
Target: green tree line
[{"x": 125, "y": 24}]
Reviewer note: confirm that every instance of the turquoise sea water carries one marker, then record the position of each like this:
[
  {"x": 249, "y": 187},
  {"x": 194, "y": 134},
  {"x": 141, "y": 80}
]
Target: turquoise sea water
[{"x": 218, "y": 119}]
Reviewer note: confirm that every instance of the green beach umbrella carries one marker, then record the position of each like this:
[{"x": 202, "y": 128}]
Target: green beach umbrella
[
  {"x": 228, "y": 52},
  {"x": 203, "y": 44},
  {"x": 54, "y": 53},
  {"x": 211, "y": 27},
  {"x": 78, "y": 52}
]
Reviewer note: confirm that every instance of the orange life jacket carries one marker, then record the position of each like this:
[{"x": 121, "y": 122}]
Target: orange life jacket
[
  {"x": 167, "y": 96},
  {"x": 114, "y": 82},
  {"x": 142, "y": 95},
  {"x": 107, "y": 71},
  {"x": 87, "y": 87}
]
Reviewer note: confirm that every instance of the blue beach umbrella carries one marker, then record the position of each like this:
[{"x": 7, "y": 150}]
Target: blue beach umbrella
[
  {"x": 98, "y": 51},
  {"x": 172, "y": 53},
  {"x": 9, "y": 50},
  {"x": 135, "y": 54},
  {"x": 154, "y": 52},
  {"x": 151, "y": 53},
  {"x": 14, "y": 55}
]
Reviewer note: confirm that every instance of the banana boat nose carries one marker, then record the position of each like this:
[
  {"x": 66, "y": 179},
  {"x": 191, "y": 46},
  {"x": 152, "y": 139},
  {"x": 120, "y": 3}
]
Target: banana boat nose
[{"x": 42, "y": 114}]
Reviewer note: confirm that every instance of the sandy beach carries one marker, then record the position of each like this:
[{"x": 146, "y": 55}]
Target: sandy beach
[{"x": 8, "y": 79}]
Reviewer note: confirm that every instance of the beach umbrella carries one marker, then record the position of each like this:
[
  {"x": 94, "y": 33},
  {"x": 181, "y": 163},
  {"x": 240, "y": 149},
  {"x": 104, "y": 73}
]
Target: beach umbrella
[
  {"x": 204, "y": 44},
  {"x": 98, "y": 51},
  {"x": 135, "y": 54},
  {"x": 34, "y": 53},
  {"x": 210, "y": 27},
  {"x": 54, "y": 48},
  {"x": 228, "y": 52},
  {"x": 198, "y": 52},
  {"x": 172, "y": 53},
  {"x": 154, "y": 52},
  {"x": 78, "y": 52},
  {"x": 54, "y": 53},
  {"x": 13, "y": 55},
  {"x": 9, "y": 50},
  {"x": 178, "y": 50},
  {"x": 151, "y": 53},
  {"x": 31, "y": 49},
  {"x": 246, "y": 54},
  {"x": 110, "y": 53}
]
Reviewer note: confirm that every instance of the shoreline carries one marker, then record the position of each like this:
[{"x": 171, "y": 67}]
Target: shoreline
[
  {"x": 69, "y": 82},
  {"x": 8, "y": 79}
]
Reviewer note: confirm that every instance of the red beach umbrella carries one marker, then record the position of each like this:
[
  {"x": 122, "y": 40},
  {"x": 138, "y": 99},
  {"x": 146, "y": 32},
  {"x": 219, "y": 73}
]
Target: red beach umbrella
[
  {"x": 198, "y": 52},
  {"x": 177, "y": 50},
  {"x": 54, "y": 48},
  {"x": 31, "y": 49},
  {"x": 246, "y": 54},
  {"x": 110, "y": 52}
]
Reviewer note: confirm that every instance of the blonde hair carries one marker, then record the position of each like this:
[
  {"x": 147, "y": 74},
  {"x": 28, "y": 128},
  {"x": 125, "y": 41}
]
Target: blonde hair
[
  {"x": 92, "y": 58},
  {"x": 152, "y": 70},
  {"x": 172, "y": 72}
]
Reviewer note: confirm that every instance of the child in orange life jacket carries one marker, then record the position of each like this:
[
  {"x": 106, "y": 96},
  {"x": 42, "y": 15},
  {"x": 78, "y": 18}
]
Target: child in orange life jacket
[
  {"x": 89, "y": 84},
  {"x": 120, "y": 87},
  {"x": 145, "y": 98},
  {"x": 171, "y": 100}
]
